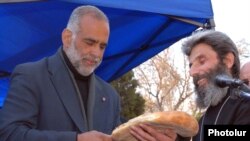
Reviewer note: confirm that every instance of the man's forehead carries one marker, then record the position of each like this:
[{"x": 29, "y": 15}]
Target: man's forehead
[{"x": 201, "y": 49}]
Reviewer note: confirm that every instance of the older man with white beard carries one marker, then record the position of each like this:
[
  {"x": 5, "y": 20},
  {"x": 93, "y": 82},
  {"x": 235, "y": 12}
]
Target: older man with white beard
[
  {"x": 211, "y": 53},
  {"x": 59, "y": 98}
]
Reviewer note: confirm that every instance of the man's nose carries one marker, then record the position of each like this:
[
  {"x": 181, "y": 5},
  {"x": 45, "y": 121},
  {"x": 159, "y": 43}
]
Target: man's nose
[
  {"x": 193, "y": 71},
  {"x": 97, "y": 51}
]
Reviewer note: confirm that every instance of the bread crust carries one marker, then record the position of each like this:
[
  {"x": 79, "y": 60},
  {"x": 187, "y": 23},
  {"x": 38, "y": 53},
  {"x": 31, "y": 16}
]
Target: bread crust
[{"x": 181, "y": 122}]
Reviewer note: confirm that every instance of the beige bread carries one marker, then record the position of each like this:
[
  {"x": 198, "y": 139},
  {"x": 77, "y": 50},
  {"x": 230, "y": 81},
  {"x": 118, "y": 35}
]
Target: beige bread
[{"x": 181, "y": 122}]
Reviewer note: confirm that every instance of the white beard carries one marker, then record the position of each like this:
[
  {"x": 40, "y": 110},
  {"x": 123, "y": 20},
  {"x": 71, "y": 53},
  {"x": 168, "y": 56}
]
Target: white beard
[{"x": 77, "y": 61}]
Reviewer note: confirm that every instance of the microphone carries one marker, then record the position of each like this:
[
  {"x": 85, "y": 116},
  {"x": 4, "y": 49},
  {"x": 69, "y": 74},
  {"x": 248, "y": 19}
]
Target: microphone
[{"x": 225, "y": 80}]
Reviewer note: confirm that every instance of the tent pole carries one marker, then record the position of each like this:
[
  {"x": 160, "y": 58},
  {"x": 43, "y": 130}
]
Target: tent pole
[{"x": 209, "y": 25}]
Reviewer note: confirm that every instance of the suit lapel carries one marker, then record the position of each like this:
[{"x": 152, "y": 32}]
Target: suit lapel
[
  {"x": 66, "y": 90},
  {"x": 91, "y": 101},
  {"x": 97, "y": 104}
]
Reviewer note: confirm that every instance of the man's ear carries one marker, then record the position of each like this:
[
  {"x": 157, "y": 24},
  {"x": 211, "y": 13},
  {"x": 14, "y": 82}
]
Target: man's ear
[
  {"x": 229, "y": 60},
  {"x": 66, "y": 37}
]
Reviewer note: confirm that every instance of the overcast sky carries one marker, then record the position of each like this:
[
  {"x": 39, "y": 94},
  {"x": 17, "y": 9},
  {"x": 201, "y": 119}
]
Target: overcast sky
[{"x": 232, "y": 17}]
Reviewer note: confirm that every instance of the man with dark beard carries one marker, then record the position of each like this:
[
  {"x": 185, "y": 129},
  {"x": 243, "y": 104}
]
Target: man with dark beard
[
  {"x": 211, "y": 53},
  {"x": 59, "y": 98}
]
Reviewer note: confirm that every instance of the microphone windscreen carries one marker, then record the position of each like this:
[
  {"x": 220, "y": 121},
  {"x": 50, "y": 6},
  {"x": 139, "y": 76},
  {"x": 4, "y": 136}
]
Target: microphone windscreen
[
  {"x": 221, "y": 80},
  {"x": 225, "y": 80}
]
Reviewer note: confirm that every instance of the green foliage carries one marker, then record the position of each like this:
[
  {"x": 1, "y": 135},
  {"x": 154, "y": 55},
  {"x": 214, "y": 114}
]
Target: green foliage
[{"x": 132, "y": 103}]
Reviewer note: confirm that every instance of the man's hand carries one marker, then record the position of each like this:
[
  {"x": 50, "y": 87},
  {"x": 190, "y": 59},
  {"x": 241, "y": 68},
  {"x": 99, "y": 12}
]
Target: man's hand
[
  {"x": 145, "y": 132},
  {"x": 93, "y": 136}
]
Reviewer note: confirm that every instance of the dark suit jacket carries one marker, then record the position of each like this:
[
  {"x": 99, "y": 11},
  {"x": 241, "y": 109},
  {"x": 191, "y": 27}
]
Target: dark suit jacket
[
  {"x": 43, "y": 104},
  {"x": 230, "y": 111}
]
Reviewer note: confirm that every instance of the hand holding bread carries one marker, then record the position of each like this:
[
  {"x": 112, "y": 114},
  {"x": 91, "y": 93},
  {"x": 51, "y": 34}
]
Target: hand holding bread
[{"x": 182, "y": 123}]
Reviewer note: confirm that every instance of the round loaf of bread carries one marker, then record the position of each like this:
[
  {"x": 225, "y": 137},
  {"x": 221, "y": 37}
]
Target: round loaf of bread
[{"x": 182, "y": 123}]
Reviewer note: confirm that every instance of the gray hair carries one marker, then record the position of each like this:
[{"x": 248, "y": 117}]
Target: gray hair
[
  {"x": 219, "y": 42},
  {"x": 79, "y": 12}
]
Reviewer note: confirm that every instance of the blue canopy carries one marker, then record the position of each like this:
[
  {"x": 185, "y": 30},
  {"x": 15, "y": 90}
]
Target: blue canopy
[{"x": 140, "y": 29}]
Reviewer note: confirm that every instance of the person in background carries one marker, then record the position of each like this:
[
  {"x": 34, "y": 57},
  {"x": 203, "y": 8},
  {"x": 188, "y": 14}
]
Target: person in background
[
  {"x": 245, "y": 73},
  {"x": 59, "y": 98},
  {"x": 211, "y": 53}
]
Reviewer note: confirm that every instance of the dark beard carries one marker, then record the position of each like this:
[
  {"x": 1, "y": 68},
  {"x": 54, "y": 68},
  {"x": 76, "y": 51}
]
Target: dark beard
[{"x": 210, "y": 94}]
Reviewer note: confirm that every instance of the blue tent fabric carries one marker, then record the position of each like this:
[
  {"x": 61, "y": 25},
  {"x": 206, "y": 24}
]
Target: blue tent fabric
[
  {"x": 140, "y": 29},
  {"x": 3, "y": 89}
]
